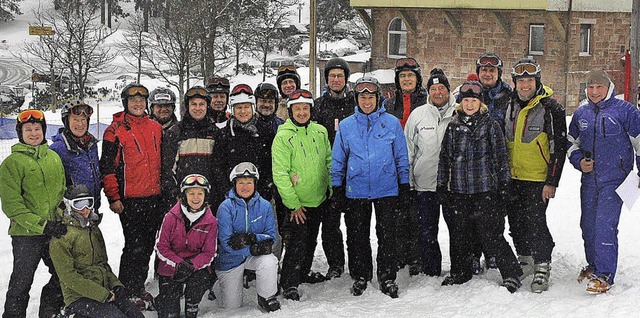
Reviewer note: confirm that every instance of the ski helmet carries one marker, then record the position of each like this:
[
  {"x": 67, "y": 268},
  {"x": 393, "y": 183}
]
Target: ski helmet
[
  {"x": 78, "y": 197},
  {"x": 489, "y": 59},
  {"x": 408, "y": 64},
  {"x": 244, "y": 170},
  {"x": 193, "y": 181},
  {"x": 242, "y": 93},
  {"x": 196, "y": 92},
  {"x": 336, "y": 62},
  {"x": 267, "y": 91},
  {"x": 284, "y": 72},
  {"x": 526, "y": 67},
  {"x": 162, "y": 96},
  {"x": 299, "y": 96},
  {"x": 76, "y": 107},
  {"x": 31, "y": 116},
  {"x": 367, "y": 84},
  {"x": 218, "y": 85},
  {"x": 133, "y": 89}
]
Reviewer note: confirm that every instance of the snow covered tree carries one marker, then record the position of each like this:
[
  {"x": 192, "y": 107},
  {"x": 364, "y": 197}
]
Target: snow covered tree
[{"x": 8, "y": 8}]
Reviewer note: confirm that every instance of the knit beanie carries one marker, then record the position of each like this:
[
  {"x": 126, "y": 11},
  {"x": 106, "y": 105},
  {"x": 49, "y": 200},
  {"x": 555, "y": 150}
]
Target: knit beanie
[
  {"x": 438, "y": 77},
  {"x": 598, "y": 77}
]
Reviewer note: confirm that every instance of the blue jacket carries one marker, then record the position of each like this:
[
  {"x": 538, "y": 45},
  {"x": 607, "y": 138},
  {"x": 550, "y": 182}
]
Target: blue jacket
[
  {"x": 236, "y": 216},
  {"x": 610, "y": 130},
  {"x": 80, "y": 166},
  {"x": 370, "y": 153}
]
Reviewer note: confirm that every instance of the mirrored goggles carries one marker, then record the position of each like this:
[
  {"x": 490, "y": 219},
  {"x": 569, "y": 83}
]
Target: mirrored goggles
[
  {"x": 196, "y": 91},
  {"x": 246, "y": 169},
  {"x": 195, "y": 179},
  {"x": 366, "y": 87},
  {"x": 219, "y": 81},
  {"x": 81, "y": 109},
  {"x": 406, "y": 62},
  {"x": 82, "y": 203},
  {"x": 300, "y": 93},
  {"x": 489, "y": 61},
  {"x": 30, "y": 114},
  {"x": 242, "y": 88},
  {"x": 528, "y": 68},
  {"x": 283, "y": 68},
  {"x": 137, "y": 90}
]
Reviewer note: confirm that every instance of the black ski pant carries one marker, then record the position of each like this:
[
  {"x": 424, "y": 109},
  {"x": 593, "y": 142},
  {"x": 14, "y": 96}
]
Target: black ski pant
[
  {"x": 358, "y": 221},
  {"x": 27, "y": 253},
  {"x": 407, "y": 238},
  {"x": 478, "y": 211},
  {"x": 140, "y": 220},
  {"x": 89, "y": 308},
  {"x": 301, "y": 245},
  {"x": 168, "y": 300},
  {"x": 528, "y": 221},
  {"x": 429, "y": 220},
  {"x": 332, "y": 241}
]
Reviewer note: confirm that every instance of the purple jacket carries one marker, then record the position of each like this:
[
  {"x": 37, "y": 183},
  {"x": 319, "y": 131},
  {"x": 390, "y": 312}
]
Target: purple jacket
[{"x": 174, "y": 244}]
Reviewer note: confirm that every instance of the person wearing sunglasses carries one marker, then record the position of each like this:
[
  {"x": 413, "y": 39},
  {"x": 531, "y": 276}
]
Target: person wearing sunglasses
[
  {"x": 370, "y": 168},
  {"x": 130, "y": 168},
  {"x": 78, "y": 148},
  {"x": 604, "y": 136},
  {"x": 185, "y": 247},
  {"x": 247, "y": 234},
  {"x": 536, "y": 132},
  {"x": 301, "y": 159},
  {"x": 219, "y": 89},
  {"x": 89, "y": 286},
  {"x": 409, "y": 92},
  {"x": 32, "y": 183},
  {"x": 473, "y": 170},
  {"x": 424, "y": 131},
  {"x": 288, "y": 81},
  {"x": 162, "y": 107}
]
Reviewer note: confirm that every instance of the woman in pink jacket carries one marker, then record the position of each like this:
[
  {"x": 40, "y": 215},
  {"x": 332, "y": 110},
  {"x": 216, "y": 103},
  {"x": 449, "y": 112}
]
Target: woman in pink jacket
[{"x": 185, "y": 247}]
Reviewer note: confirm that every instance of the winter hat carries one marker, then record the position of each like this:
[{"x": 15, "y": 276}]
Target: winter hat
[
  {"x": 438, "y": 77},
  {"x": 598, "y": 77},
  {"x": 471, "y": 89},
  {"x": 31, "y": 116},
  {"x": 284, "y": 72},
  {"x": 473, "y": 77}
]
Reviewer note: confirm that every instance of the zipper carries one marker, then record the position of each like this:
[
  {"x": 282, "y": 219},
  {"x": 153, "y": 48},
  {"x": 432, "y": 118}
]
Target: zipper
[
  {"x": 593, "y": 145},
  {"x": 542, "y": 153},
  {"x": 604, "y": 131},
  {"x": 137, "y": 145}
]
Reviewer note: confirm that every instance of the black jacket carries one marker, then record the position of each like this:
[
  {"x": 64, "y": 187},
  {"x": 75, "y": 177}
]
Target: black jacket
[{"x": 327, "y": 110}]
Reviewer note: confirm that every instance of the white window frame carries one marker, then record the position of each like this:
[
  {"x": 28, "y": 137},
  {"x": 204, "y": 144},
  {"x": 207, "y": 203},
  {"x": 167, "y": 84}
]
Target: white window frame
[
  {"x": 585, "y": 51},
  {"x": 400, "y": 33},
  {"x": 535, "y": 51}
]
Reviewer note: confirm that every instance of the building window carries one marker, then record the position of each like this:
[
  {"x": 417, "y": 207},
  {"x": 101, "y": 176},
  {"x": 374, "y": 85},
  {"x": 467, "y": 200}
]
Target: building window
[
  {"x": 585, "y": 39},
  {"x": 536, "y": 39},
  {"x": 397, "y": 38}
]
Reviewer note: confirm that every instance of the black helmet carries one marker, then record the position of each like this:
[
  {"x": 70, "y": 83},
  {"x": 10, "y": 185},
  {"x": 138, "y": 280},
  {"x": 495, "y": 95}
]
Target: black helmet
[
  {"x": 408, "y": 64},
  {"x": 367, "y": 84},
  {"x": 196, "y": 91},
  {"x": 267, "y": 91},
  {"x": 284, "y": 72},
  {"x": 489, "y": 59},
  {"x": 526, "y": 67},
  {"x": 336, "y": 62},
  {"x": 218, "y": 85},
  {"x": 76, "y": 107},
  {"x": 133, "y": 89},
  {"x": 162, "y": 96}
]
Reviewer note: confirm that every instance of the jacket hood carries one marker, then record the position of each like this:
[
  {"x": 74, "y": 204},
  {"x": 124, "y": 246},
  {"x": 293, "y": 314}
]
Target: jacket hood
[
  {"x": 234, "y": 197},
  {"x": 611, "y": 94},
  {"x": 38, "y": 151}
]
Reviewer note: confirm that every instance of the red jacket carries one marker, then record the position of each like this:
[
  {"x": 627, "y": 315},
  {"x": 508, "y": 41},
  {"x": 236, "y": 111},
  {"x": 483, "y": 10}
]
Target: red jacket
[
  {"x": 130, "y": 163},
  {"x": 174, "y": 244}
]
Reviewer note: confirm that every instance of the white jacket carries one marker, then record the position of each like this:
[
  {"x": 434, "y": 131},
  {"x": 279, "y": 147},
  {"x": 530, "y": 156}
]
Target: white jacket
[{"x": 424, "y": 132}]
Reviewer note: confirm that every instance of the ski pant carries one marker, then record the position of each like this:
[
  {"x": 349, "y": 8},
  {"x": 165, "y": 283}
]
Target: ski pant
[
  {"x": 528, "y": 221},
  {"x": 407, "y": 238},
  {"x": 429, "y": 219},
  {"x": 266, "y": 267},
  {"x": 168, "y": 300},
  {"x": 358, "y": 222},
  {"x": 27, "y": 253},
  {"x": 601, "y": 207},
  {"x": 301, "y": 246},
  {"x": 140, "y": 220},
  {"x": 332, "y": 242},
  {"x": 89, "y": 308},
  {"x": 478, "y": 210}
]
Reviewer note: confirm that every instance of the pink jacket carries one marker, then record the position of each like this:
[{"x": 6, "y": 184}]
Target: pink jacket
[{"x": 174, "y": 244}]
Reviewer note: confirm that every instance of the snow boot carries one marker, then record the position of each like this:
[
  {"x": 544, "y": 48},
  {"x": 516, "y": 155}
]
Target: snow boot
[
  {"x": 455, "y": 280},
  {"x": 359, "y": 286},
  {"x": 477, "y": 266},
  {"x": 269, "y": 304},
  {"x": 491, "y": 263},
  {"x": 313, "y": 278},
  {"x": 598, "y": 285},
  {"x": 586, "y": 272},
  {"x": 540, "y": 281},
  {"x": 334, "y": 272},
  {"x": 248, "y": 277},
  {"x": 190, "y": 310},
  {"x": 512, "y": 284},
  {"x": 526, "y": 262},
  {"x": 389, "y": 288},
  {"x": 291, "y": 293},
  {"x": 415, "y": 269}
]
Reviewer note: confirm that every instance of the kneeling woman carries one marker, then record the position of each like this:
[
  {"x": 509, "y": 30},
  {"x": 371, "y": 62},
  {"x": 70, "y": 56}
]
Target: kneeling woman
[
  {"x": 247, "y": 232},
  {"x": 186, "y": 246}
]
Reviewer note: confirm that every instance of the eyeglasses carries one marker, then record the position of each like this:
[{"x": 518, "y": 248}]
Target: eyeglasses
[
  {"x": 195, "y": 179},
  {"x": 196, "y": 91},
  {"x": 82, "y": 203},
  {"x": 489, "y": 61},
  {"x": 82, "y": 109},
  {"x": 137, "y": 90},
  {"x": 336, "y": 76},
  {"x": 242, "y": 89},
  {"x": 474, "y": 88},
  {"x": 408, "y": 74},
  {"x": 366, "y": 87},
  {"x": 283, "y": 68},
  {"x": 28, "y": 114},
  {"x": 219, "y": 81},
  {"x": 410, "y": 62},
  {"x": 300, "y": 93},
  {"x": 529, "y": 68}
]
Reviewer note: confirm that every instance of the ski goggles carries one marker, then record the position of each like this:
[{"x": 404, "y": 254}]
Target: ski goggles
[
  {"x": 283, "y": 68},
  {"x": 489, "y": 61},
  {"x": 473, "y": 88},
  {"x": 196, "y": 92},
  {"x": 162, "y": 98},
  {"x": 242, "y": 89},
  {"x": 137, "y": 90},
  {"x": 407, "y": 62},
  {"x": 525, "y": 68},
  {"x": 301, "y": 93},
  {"x": 195, "y": 180},
  {"x": 81, "y": 109},
  {"x": 30, "y": 115},
  {"x": 366, "y": 87},
  {"x": 219, "y": 81},
  {"x": 245, "y": 169},
  {"x": 81, "y": 203}
]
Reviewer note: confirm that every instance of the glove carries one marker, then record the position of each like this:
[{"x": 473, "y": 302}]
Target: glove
[
  {"x": 338, "y": 198},
  {"x": 120, "y": 292},
  {"x": 183, "y": 271},
  {"x": 240, "y": 240},
  {"x": 443, "y": 195},
  {"x": 405, "y": 195},
  {"x": 55, "y": 228},
  {"x": 261, "y": 248}
]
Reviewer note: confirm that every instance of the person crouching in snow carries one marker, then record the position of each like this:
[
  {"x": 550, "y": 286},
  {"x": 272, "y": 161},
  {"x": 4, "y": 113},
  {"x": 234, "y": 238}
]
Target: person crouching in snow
[
  {"x": 473, "y": 172},
  {"x": 186, "y": 246},
  {"x": 247, "y": 233},
  {"x": 89, "y": 286}
]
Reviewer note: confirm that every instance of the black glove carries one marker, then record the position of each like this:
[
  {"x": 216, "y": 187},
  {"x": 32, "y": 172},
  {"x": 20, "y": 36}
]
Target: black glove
[
  {"x": 240, "y": 240},
  {"x": 183, "y": 271},
  {"x": 339, "y": 198},
  {"x": 55, "y": 228},
  {"x": 120, "y": 292},
  {"x": 261, "y": 248},
  {"x": 443, "y": 195},
  {"x": 405, "y": 195}
]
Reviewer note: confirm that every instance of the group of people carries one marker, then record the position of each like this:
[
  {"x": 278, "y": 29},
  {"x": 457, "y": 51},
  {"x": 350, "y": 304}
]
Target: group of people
[{"x": 249, "y": 173}]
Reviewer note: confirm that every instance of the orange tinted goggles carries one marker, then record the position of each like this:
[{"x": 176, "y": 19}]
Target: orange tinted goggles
[
  {"x": 29, "y": 114},
  {"x": 137, "y": 90},
  {"x": 530, "y": 69},
  {"x": 196, "y": 91},
  {"x": 242, "y": 88},
  {"x": 287, "y": 68},
  {"x": 300, "y": 93},
  {"x": 366, "y": 87}
]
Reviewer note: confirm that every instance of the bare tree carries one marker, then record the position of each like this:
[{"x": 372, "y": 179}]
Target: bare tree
[
  {"x": 270, "y": 16},
  {"x": 135, "y": 43}
]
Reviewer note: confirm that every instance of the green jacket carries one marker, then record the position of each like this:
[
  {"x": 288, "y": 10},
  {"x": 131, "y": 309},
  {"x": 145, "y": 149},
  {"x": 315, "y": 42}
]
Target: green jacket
[
  {"x": 305, "y": 152},
  {"x": 80, "y": 259},
  {"x": 32, "y": 184}
]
